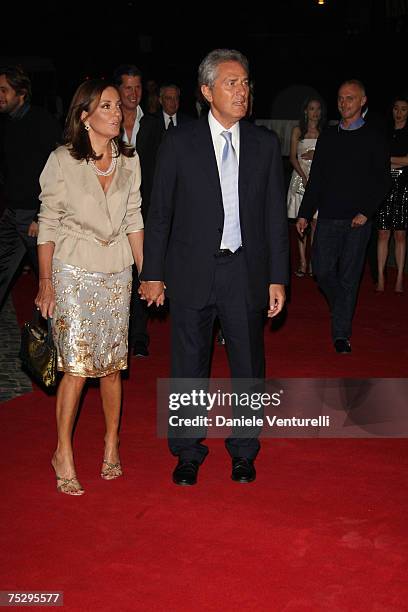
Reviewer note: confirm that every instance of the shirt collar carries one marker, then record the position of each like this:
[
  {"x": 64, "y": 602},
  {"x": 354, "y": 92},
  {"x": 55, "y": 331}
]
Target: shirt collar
[
  {"x": 358, "y": 123},
  {"x": 139, "y": 114},
  {"x": 20, "y": 111},
  {"x": 217, "y": 128}
]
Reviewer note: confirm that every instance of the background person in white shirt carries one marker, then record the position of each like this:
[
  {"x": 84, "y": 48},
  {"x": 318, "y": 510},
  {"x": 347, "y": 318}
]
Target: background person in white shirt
[{"x": 169, "y": 114}]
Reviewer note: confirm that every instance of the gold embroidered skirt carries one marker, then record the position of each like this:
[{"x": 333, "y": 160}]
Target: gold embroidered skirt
[{"x": 91, "y": 319}]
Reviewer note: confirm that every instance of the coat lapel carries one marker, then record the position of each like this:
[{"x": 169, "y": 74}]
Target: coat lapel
[
  {"x": 248, "y": 149},
  {"x": 118, "y": 190},
  {"x": 89, "y": 181},
  {"x": 122, "y": 176},
  {"x": 248, "y": 152},
  {"x": 204, "y": 148}
]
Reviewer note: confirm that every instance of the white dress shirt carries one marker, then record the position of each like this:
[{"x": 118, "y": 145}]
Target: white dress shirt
[
  {"x": 136, "y": 126},
  {"x": 167, "y": 119},
  {"x": 219, "y": 142}
]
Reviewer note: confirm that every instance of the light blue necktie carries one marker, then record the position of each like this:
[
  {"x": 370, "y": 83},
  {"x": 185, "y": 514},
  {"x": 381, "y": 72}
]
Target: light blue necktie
[{"x": 231, "y": 235}]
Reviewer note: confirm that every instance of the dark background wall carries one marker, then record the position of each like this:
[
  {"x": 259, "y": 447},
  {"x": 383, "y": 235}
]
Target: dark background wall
[{"x": 290, "y": 42}]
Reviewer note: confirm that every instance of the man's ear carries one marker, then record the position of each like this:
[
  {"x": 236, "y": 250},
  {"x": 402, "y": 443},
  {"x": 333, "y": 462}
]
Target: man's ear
[
  {"x": 206, "y": 91},
  {"x": 363, "y": 101}
]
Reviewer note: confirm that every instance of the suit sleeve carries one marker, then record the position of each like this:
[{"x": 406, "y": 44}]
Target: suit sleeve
[
  {"x": 277, "y": 221},
  {"x": 160, "y": 215}
]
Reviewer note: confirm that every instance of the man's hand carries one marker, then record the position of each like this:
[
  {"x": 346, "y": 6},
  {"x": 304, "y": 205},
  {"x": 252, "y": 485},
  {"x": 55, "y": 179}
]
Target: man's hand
[
  {"x": 152, "y": 292},
  {"x": 33, "y": 229},
  {"x": 358, "y": 220},
  {"x": 277, "y": 299},
  {"x": 301, "y": 225}
]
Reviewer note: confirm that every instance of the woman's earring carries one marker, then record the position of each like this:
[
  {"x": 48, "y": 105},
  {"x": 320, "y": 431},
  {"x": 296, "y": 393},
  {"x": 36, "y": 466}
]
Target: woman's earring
[{"x": 87, "y": 126}]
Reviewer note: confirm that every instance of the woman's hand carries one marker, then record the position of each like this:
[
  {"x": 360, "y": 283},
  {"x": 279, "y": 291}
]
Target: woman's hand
[
  {"x": 308, "y": 155},
  {"x": 45, "y": 299}
]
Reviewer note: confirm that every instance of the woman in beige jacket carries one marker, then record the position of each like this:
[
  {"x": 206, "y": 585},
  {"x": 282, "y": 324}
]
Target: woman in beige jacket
[{"x": 90, "y": 233}]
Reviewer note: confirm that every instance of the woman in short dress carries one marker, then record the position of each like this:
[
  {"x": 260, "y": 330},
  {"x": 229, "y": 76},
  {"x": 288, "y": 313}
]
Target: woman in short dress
[
  {"x": 302, "y": 146},
  {"x": 392, "y": 216},
  {"x": 90, "y": 233}
]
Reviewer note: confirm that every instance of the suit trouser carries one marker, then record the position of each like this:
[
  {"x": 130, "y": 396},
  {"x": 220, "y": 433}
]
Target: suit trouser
[
  {"x": 14, "y": 244},
  {"x": 139, "y": 315},
  {"x": 338, "y": 257},
  {"x": 372, "y": 253},
  {"x": 192, "y": 339}
]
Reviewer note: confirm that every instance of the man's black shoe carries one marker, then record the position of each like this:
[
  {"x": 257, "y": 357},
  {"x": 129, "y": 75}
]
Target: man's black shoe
[
  {"x": 140, "y": 350},
  {"x": 186, "y": 473},
  {"x": 220, "y": 338},
  {"x": 342, "y": 345},
  {"x": 243, "y": 470}
]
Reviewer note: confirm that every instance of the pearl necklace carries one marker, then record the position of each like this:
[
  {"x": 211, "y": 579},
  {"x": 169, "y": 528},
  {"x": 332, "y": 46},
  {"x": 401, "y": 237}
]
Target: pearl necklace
[{"x": 112, "y": 165}]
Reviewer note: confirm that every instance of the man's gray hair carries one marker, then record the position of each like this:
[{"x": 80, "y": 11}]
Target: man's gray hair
[
  {"x": 169, "y": 86},
  {"x": 356, "y": 82},
  {"x": 208, "y": 69}
]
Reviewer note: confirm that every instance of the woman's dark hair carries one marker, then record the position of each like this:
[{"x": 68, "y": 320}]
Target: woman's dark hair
[
  {"x": 303, "y": 115},
  {"x": 18, "y": 79},
  {"x": 86, "y": 98},
  {"x": 403, "y": 97}
]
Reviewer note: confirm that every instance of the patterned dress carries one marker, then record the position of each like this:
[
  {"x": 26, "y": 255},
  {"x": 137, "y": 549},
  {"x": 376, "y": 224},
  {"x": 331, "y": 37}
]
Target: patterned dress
[{"x": 393, "y": 212}]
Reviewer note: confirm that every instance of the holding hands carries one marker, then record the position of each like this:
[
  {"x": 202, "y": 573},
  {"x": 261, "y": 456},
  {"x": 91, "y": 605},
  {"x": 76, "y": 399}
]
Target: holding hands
[{"x": 152, "y": 292}]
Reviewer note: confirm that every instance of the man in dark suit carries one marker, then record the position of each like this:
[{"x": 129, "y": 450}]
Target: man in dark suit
[
  {"x": 144, "y": 132},
  {"x": 169, "y": 115},
  {"x": 217, "y": 241}
]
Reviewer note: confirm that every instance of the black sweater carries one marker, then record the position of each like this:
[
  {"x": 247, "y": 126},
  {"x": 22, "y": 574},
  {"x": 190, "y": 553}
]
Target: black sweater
[
  {"x": 26, "y": 143},
  {"x": 350, "y": 174}
]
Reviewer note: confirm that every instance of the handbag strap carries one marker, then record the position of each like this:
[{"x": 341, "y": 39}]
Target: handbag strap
[
  {"x": 50, "y": 340},
  {"x": 36, "y": 320},
  {"x": 36, "y": 316}
]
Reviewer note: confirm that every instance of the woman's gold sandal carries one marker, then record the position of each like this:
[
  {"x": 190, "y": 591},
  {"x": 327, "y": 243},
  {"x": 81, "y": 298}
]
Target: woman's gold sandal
[
  {"x": 70, "y": 486},
  {"x": 112, "y": 470}
]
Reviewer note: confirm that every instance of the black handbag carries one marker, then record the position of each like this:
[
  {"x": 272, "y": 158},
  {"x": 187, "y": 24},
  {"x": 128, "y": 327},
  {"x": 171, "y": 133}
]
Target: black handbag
[{"x": 38, "y": 352}]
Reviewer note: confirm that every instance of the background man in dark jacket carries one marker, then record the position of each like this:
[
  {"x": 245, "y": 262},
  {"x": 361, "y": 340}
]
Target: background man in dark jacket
[
  {"x": 28, "y": 135},
  {"x": 349, "y": 179}
]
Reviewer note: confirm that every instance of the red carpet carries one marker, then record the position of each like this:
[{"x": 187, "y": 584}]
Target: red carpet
[{"x": 323, "y": 529}]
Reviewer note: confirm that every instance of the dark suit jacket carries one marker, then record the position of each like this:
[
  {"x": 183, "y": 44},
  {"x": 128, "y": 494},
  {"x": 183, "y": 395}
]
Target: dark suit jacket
[
  {"x": 148, "y": 140},
  {"x": 185, "y": 222},
  {"x": 180, "y": 117}
]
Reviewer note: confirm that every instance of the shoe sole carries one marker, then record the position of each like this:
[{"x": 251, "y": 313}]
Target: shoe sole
[
  {"x": 184, "y": 484},
  {"x": 243, "y": 481}
]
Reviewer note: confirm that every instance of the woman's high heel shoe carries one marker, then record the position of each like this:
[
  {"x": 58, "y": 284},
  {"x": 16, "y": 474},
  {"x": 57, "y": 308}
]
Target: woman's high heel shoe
[
  {"x": 70, "y": 486},
  {"x": 112, "y": 470}
]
